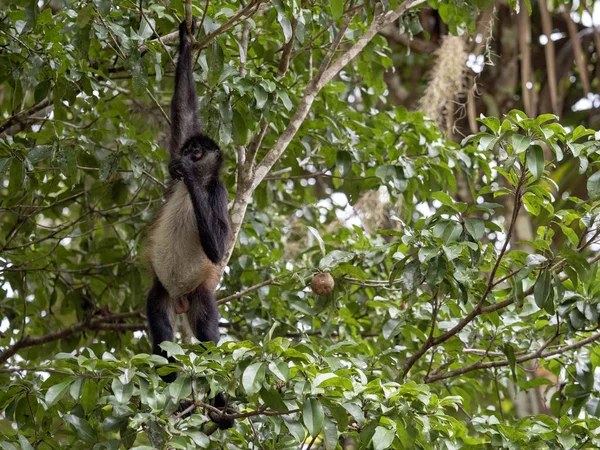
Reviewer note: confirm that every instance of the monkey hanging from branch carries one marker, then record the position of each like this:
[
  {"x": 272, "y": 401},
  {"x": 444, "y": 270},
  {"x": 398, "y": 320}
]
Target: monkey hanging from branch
[{"x": 188, "y": 236}]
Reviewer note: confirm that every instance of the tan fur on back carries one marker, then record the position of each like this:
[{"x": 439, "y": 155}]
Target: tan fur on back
[{"x": 174, "y": 248}]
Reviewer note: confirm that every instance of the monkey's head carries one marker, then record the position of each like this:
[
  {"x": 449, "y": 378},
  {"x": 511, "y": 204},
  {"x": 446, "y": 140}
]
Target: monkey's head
[{"x": 204, "y": 153}]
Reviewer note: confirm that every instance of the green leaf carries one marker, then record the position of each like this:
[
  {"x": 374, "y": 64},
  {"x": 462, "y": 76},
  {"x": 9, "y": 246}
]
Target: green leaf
[
  {"x": 103, "y": 6},
  {"x": 334, "y": 259},
  {"x": 216, "y": 60},
  {"x": 5, "y": 164},
  {"x": 81, "y": 427},
  {"x": 67, "y": 162},
  {"x": 56, "y": 393},
  {"x": 446, "y": 200},
  {"x": 84, "y": 16},
  {"x": 139, "y": 74},
  {"x": 313, "y": 416},
  {"x": 356, "y": 412},
  {"x": 89, "y": 395},
  {"x": 337, "y": 8},
  {"x": 427, "y": 253},
  {"x": 331, "y": 379},
  {"x": 318, "y": 237},
  {"x": 253, "y": 377},
  {"x": 383, "y": 438},
  {"x": 285, "y": 99},
  {"x": 475, "y": 227},
  {"x": 518, "y": 293},
  {"x": 4, "y": 445},
  {"x": 593, "y": 185},
  {"x": 180, "y": 388},
  {"x": 542, "y": 289},
  {"x": 273, "y": 399},
  {"x": 25, "y": 445},
  {"x": 240, "y": 130},
  {"x": 509, "y": 351},
  {"x": 42, "y": 90},
  {"x": 16, "y": 177},
  {"x": 330, "y": 434},
  {"x": 280, "y": 370},
  {"x": 38, "y": 153},
  {"x": 491, "y": 122},
  {"x": 535, "y": 161},
  {"x": 520, "y": 142},
  {"x": 123, "y": 392},
  {"x": 447, "y": 230},
  {"x": 261, "y": 96},
  {"x": 109, "y": 165},
  {"x": 171, "y": 348},
  {"x": 436, "y": 272},
  {"x": 343, "y": 162},
  {"x": 32, "y": 12}
]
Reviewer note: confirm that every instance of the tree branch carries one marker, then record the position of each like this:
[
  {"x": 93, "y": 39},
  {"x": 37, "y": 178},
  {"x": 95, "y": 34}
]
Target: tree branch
[
  {"x": 550, "y": 55},
  {"x": 577, "y": 49},
  {"x": 490, "y": 284},
  {"x": 100, "y": 323},
  {"x": 23, "y": 115},
  {"x": 538, "y": 354},
  {"x": 320, "y": 80},
  {"x": 244, "y": 193},
  {"x": 240, "y": 294}
]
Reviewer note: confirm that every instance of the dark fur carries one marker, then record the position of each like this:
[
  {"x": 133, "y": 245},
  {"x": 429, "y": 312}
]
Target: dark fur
[{"x": 201, "y": 208}]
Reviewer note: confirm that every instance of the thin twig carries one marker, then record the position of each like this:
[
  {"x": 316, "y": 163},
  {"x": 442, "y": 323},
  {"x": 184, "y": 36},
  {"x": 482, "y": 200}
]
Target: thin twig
[
  {"x": 538, "y": 354},
  {"x": 247, "y": 291}
]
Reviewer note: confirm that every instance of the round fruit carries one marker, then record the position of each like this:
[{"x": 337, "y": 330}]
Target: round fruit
[{"x": 322, "y": 283}]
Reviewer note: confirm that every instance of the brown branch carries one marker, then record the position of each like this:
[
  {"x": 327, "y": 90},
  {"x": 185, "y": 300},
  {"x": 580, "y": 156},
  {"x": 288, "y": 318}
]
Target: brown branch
[
  {"x": 262, "y": 410},
  {"x": 188, "y": 16},
  {"x": 101, "y": 323},
  {"x": 246, "y": 11},
  {"x": 51, "y": 370},
  {"x": 550, "y": 55},
  {"x": 240, "y": 294},
  {"x": 527, "y": 75},
  {"x": 392, "y": 34},
  {"x": 284, "y": 63},
  {"x": 165, "y": 49},
  {"x": 538, "y": 354},
  {"x": 577, "y": 49},
  {"x": 244, "y": 48},
  {"x": 23, "y": 115}
]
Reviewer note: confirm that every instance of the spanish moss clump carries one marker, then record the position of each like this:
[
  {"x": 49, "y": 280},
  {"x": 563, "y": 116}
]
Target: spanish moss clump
[
  {"x": 372, "y": 211},
  {"x": 447, "y": 80}
]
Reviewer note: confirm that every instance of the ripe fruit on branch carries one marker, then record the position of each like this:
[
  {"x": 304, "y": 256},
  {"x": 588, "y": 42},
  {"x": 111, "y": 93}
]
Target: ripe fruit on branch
[{"x": 322, "y": 283}]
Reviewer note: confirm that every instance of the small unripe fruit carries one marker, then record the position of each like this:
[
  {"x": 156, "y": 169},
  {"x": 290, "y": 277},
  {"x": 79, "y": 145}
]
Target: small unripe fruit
[{"x": 322, "y": 283}]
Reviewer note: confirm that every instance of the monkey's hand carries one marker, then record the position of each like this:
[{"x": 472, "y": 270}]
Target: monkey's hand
[
  {"x": 183, "y": 32},
  {"x": 177, "y": 169}
]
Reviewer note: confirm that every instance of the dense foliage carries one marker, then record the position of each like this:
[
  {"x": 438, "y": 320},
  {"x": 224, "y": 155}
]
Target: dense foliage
[{"x": 466, "y": 273}]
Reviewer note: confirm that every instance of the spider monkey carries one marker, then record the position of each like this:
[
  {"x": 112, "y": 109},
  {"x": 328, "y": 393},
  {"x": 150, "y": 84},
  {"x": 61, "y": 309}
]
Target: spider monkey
[{"x": 188, "y": 235}]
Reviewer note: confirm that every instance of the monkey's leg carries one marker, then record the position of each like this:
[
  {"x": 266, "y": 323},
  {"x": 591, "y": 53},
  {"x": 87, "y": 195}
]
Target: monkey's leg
[
  {"x": 159, "y": 311},
  {"x": 203, "y": 317}
]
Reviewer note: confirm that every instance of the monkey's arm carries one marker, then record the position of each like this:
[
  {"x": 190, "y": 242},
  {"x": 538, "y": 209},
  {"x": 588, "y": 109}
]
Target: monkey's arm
[
  {"x": 210, "y": 208},
  {"x": 184, "y": 105}
]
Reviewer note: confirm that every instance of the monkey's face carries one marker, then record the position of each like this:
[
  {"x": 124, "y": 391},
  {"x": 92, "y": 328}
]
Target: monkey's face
[{"x": 205, "y": 161}]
